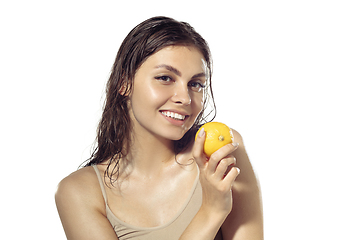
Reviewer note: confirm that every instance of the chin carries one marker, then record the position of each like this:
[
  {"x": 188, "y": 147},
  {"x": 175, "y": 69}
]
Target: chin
[{"x": 176, "y": 137}]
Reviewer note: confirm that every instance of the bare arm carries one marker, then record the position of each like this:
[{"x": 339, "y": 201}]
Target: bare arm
[
  {"x": 216, "y": 189},
  {"x": 81, "y": 208},
  {"x": 232, "y": 203},
  {"x": 245, "y": 220}
]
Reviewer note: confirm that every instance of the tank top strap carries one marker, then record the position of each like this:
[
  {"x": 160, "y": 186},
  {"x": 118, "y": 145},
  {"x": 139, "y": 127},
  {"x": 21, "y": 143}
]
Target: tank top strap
[{"x": 100, "y": 182}]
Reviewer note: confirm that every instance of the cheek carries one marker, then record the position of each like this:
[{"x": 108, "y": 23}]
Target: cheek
[
  {"x": 149, "y": 95},
  {"x": 198, "y": 102},
  {"x": 158, "y": 94}
]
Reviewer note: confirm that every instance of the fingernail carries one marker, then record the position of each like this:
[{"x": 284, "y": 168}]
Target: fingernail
[
  {"x": 202, "y": 132},
  {"x": 235, "y": 144}
]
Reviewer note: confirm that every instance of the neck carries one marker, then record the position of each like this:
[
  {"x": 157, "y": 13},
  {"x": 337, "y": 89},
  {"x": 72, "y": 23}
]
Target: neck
[{"x": 150, "y": 154}]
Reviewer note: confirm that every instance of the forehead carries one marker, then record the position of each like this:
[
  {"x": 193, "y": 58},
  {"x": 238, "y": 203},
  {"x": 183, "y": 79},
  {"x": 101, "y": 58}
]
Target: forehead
[{"x": 185, "y": 58}]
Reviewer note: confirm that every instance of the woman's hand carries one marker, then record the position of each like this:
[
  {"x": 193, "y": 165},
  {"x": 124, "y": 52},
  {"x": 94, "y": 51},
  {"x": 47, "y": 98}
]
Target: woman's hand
[
  {"x": 216, "y": 176},
  {"x": 230, "y": 202}
]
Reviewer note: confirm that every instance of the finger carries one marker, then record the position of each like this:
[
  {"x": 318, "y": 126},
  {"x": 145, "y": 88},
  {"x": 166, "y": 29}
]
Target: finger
[
  {"x": 231, "y": 176},
  {"x": 217, "y": 156},
  {"x": 224, "y": 166},
  {"x": 198, "y": 150}
]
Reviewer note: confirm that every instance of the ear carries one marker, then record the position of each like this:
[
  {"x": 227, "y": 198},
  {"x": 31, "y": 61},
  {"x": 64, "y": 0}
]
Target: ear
[
  {"x": 125, "y": 89},
  {"x": 122, "y": 91}
]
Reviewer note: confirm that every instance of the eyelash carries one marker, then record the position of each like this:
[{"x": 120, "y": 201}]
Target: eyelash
[
  {"x": 163, "y": 78},
  {"x": 201, "y": 86},
  {"x": 168, "y": 79}
]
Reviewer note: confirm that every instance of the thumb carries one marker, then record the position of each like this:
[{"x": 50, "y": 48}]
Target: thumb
[{"x": 198, "y": 150}]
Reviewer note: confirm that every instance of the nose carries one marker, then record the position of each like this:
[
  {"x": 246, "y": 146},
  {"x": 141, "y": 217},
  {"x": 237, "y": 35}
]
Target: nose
[{"x": 181, "y": 95}]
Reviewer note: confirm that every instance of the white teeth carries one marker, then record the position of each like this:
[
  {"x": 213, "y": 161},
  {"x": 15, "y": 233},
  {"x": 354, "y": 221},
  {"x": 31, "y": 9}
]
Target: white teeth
[{"x": 174, "y": 115}]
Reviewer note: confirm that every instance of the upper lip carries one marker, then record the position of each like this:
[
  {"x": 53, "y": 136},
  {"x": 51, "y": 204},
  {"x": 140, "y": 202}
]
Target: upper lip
[{"x": 176, "y": 111}]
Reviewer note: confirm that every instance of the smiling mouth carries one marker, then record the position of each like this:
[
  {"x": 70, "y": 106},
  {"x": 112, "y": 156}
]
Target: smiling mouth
[{"x": 174, "y": 115}]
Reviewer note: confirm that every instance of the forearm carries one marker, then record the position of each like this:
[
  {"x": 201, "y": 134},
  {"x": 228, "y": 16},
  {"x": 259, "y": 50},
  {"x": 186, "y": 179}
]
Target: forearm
[{"x": 204, "y": 226}]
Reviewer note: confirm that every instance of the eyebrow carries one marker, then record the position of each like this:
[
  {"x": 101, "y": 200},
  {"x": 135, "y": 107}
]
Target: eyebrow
[
  {"x": 177, "y": 72},
  {"x": 170, "y": 68},
  {"x": 199, "y": 75}
]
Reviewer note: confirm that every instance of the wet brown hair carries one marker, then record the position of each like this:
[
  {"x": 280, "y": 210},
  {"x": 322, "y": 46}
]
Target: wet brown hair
[{"x": 114, "y": 130}]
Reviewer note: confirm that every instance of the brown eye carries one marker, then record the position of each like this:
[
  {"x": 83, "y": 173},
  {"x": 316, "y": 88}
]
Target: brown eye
[
  {"x": 196, "y": 86},
  {"x": 164, "y": 79}
]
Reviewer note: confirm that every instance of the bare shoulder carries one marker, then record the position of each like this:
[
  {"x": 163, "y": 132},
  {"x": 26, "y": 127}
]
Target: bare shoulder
[
  {"x": 237, "y": 137},
  {"x": 247, "y": 177},
  {"x": 246, "y": 218},
  {"x": 242, "y": 159},
  {"x": 81, "y": 206},
  {"x": 79, "y": 186}
]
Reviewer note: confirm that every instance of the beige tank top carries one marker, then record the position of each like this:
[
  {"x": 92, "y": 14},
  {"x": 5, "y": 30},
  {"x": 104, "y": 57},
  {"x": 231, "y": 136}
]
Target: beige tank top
[{"x": 170, "y": 231}]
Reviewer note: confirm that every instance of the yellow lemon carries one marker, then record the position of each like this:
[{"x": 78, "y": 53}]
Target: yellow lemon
[{"x": 217, "y": 136}]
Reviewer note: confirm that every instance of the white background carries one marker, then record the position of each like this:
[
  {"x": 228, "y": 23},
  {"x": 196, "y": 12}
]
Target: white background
[{"x": 286, "y": 76}]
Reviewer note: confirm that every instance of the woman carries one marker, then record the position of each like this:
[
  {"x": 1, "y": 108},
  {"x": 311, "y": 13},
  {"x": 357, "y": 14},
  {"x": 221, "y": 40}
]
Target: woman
[{"x": 148, "y": 178}]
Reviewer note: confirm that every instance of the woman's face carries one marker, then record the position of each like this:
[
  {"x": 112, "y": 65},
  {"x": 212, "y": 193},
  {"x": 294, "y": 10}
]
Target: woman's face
[{"x": 168, "y": 92}]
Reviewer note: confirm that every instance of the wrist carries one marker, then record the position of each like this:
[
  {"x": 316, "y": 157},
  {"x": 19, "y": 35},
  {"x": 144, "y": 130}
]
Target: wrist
[{"x": 211, "y": 217}]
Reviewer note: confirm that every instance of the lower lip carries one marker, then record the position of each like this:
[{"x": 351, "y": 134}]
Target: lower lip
[{"x": 174, "y": 121}]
